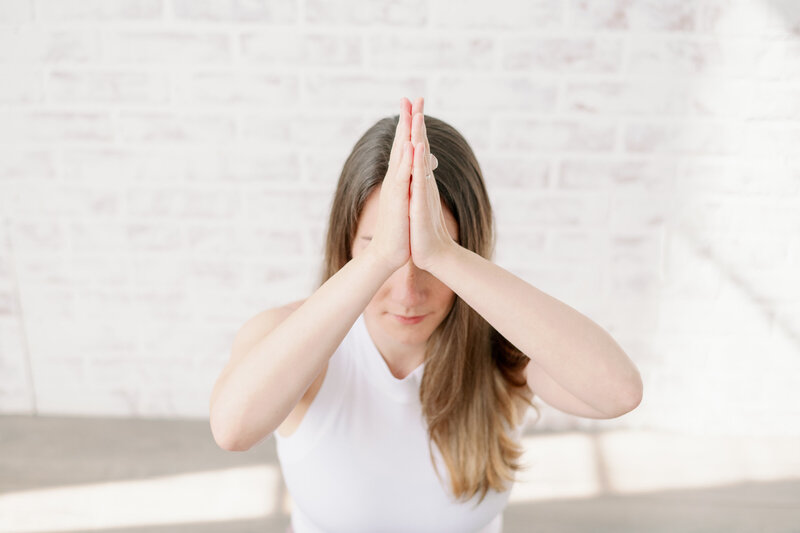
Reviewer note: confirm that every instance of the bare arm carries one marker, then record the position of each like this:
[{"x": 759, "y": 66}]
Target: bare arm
[
  {"x": 577, "y": 353},
  {"x": 257, "y": 391}
]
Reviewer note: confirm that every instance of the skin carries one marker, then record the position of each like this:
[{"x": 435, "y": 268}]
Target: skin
[{"x": 411, "y": 290}]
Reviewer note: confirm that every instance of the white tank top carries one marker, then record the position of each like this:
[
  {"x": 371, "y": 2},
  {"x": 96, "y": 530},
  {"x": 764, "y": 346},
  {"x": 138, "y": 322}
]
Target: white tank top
[{"x": 358, "y": 461}]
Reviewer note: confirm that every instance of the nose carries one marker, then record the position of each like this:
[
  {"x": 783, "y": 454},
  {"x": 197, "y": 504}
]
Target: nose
[{"x": 408, "y": 285}]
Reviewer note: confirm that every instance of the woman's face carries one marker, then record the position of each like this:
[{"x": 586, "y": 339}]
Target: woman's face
[{"x": 409, "y": 291}]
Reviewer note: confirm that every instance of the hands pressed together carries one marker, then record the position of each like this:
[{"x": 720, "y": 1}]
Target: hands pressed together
[{"x": 411, "y": 223}]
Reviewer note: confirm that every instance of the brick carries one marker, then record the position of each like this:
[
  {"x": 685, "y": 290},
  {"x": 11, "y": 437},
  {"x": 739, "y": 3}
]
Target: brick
[
  {"x": 771, "y": 140},
  {"x": 27, "y": 164},
  {"x": 99, "y": 268},
  {"x": 722, "y": 97},
  {"x": 95, "y": 10},
  {"x": 773, "y": 102},
  {"x": 247, "y": 240},
  {"x": 80, "y": 400},
  {"x": 634, "y": 209},
  {"x": 148, "y": 237},
  {"x": 289, "y": 47},
  {"x": 116, "y": 237},
  {"x": 651, "y": 174},
  {"x": 23, "y": 87},
  {"x": 273, "y": 11},
  {"x": 16, "y": 11},
  {"x": 86, "y": 236},
  {"x": 247, "y": 167},
  {"x": 737, "y": 314},
  {"x": 174, "y": 127},
  {"x": 29, "y": 45},
  {"x": 751, "y": 249},
  {"x": 263, "y": 240},
  {"x": 420, "y": 50},
  {"x": 633, "y": 97},
  {"x": 159, "y": 271},
  {"x": 292, "y": 275},
  {"x": 286, "y": 129},
  {"x": 750, "y": 18},
  {"x": 549, "y": 211},
  {"x": 43, "y": 267},
  {"x": 359, "y": 91},
  {"x": 379, "y": 12},
  {"x": 777, "y": 60},
  {"x": 562, "y": 55},
  {"x": 662, "y": 15},
  {"x": 718, "y": 138},
  {"x": 684, "y": 315},
  {"x": 634, "y": 259},
  {"x": 235, "y": 87},
  {"x": 515, "y": 173},
  {"x": 742, "y": 176},
  {"x": 669, "y": 58},
  {"x": 169, "y": 304},
  {"x": 108, "y": 87},
  {"x": 182, "y": 203},
  {"x": 49, "y": 126},
  {"x": 36, "y": 235},
  {"x": 219, "y": 274},
  {"x": 33, "y": 200},
  {"x": 556, "y": 135},
  {"x": 99, "y": 302},
  {"x": 168, "y": 47},
  {"x": 715, "y": 213},
  {"x": 291, "y": 208},
  {"x": 8, "y": 308},
  {"x": 493, "y": 94},
  {"x": 473, "y": 14},
  {"x": 578, "y": 246},
  {"x": 129, "y": 165}
]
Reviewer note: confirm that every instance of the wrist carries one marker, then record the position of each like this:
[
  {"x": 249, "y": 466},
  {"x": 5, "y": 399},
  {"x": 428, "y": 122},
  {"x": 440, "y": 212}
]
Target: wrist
[
  {"x": 375, "y": 262},
  {"x": 443, "y": 261}
]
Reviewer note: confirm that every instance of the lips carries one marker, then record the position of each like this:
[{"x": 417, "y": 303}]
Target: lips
[{"x": 403, "y": 319}]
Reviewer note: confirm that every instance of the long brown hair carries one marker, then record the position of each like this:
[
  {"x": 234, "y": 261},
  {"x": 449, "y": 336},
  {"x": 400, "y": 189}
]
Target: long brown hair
[{"x": 473, "y": 375}]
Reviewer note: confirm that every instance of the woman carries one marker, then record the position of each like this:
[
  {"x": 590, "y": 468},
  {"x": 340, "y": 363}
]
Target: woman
[{"x": 397, "y": 390}]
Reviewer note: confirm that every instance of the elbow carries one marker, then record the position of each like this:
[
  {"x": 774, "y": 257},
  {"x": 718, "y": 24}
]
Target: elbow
[
  {"x": 632, "y": 398},
  {"x": 225, "y": 436}
]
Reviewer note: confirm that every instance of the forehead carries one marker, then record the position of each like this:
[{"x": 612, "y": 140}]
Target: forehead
[{"x": 369, "y": 214}]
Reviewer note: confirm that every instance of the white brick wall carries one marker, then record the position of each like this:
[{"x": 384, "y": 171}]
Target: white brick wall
[{"x": 166, "y": 168}]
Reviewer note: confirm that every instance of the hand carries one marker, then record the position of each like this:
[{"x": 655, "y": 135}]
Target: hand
[
  {"x": 429, "y": 237},
  {"x": 390, "y": 241}
]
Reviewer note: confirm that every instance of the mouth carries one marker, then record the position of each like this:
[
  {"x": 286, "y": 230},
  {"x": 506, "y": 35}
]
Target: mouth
[{"x": 409, "y": 319}]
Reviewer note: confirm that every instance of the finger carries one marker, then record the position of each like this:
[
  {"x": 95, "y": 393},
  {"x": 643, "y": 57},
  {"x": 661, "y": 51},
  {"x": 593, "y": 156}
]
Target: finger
[
  {"x": 404, "y": 170},
  {"x": 419, "y": 106},
  {"x": 426, "y": 171},
  {"x": 418, "y": 180},
  {"x": 428, "y": 146},
  {"x": 416, "y": 128},
  {"x": 402, "y": 132}
]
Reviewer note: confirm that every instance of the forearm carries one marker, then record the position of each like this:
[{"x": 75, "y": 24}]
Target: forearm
[
  {"x": 576, "y": 352},
  {"x": 260, "y": 391}
]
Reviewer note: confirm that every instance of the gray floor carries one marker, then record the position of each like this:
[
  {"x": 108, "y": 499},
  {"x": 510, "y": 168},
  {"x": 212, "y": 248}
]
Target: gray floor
[{"x": 44, "y": 452}]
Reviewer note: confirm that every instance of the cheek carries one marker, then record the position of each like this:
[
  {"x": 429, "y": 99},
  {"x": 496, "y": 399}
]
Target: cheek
[{"x": 444, "y": 295}]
